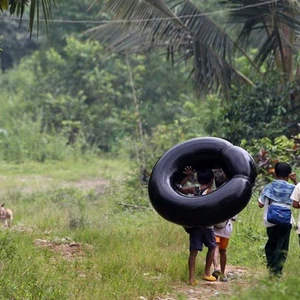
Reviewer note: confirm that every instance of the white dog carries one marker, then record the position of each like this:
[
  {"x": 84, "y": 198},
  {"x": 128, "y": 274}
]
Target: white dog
[{"x": 6, "y": 215}]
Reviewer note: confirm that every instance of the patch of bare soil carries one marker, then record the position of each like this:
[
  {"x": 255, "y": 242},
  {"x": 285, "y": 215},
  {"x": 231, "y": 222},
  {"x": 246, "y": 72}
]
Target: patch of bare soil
[
  {"x": 31, "y": 183},
  {"x": 68, "y": 250},
  {"x": 88, "y": 184},
  {"x": 238, "y": 279}
]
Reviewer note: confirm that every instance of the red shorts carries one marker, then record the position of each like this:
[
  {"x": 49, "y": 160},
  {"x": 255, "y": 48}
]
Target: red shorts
[{"x": 222, "y": 242}]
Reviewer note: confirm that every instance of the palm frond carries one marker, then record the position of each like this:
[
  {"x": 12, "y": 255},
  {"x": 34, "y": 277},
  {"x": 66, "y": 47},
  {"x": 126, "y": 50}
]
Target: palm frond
[
  {"x": 17, "y": 7},
  {"x": 205, "y": 29},
  {"x": 140, "y": 9},
  {"x": 209, "y": 70},
  {"x": 138, "y": 25},
  {"x": 212, "y": 72},
  {"x": 211, "y": 49},
  {"x": 266, "y": 22},
  {"x": 4, "y": 5},
  {"x": 143, "y": 25},
  {"x": 267, "y": 48},
  {"x": 120, "y": 39}
]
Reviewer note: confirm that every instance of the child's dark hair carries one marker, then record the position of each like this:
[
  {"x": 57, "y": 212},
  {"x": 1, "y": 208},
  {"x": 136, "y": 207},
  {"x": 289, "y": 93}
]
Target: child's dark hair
[
  {"x": 282, "y": 169},
  {"x": 220, "y": 178},
  {"x": 204, "y": 176}
]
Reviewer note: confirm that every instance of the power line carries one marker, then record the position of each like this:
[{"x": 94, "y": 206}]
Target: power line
[{"x": 152, "y": 19}]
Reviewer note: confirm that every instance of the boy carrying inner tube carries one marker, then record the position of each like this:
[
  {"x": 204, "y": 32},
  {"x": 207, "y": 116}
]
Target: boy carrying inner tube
[{"x": 199, "y": 236}]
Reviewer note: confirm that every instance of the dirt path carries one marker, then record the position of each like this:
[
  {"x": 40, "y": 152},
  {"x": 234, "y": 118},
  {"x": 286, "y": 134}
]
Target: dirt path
[{"x": 239, "y": 278}]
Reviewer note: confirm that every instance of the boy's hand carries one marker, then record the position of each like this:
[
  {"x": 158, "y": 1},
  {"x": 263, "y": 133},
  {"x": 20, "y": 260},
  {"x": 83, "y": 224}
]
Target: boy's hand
[
  {"x": 188, "y": 171},
  {"x": 293, "y": 177}
]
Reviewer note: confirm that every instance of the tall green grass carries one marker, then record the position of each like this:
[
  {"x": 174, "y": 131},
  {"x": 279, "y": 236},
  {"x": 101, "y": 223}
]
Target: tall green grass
[
  {"x": 25, "y": 138},
  {"x": 127, "y": 252}
]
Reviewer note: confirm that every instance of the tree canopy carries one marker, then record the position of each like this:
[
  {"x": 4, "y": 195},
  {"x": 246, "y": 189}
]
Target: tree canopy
[
  {"x": 78, "y": 90},
  {"x": 189, "y": 33}
]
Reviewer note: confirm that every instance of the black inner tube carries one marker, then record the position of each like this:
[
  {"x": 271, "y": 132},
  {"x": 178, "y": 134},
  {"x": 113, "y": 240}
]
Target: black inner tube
[{"x": 216, "y": 207}]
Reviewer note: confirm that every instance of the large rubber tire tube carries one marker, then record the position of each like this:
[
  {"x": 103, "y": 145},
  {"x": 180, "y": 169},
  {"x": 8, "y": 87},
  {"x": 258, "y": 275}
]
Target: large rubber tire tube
[{"x": 218, "y": 206}]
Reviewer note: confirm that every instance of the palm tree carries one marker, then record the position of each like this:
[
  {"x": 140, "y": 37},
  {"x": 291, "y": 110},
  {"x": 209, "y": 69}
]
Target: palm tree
[
  {"x": 36, "y": 8},
  {"x": 277, "y": 24},
  {"x": 187, "y": 33}
]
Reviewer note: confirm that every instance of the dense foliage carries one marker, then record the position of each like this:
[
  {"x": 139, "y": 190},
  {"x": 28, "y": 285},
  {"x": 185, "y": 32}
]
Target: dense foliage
[
  {"x": 72, "y": 96},
  {"x": 267, "y": 110},
  {"x": 15, "y": 42},
  {"x": 83, "y": 90}
]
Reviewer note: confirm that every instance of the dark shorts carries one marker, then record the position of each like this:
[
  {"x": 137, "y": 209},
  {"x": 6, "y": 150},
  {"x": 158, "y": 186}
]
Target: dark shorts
[{"x": 202, "y": 236}]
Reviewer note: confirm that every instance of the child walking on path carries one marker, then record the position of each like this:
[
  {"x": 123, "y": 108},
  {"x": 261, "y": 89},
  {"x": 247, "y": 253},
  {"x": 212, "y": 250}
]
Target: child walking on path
[
  {"x": 199, "y": 236},
  {"x": 223, "y": 232},
  {"x": 222, "y": 240},
  {"x": 277, "y": 192}
]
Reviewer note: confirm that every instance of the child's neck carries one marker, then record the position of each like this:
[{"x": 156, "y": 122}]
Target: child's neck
[
  {"x": 204, "y": 186},
  {"x": 282, "y": 178}
]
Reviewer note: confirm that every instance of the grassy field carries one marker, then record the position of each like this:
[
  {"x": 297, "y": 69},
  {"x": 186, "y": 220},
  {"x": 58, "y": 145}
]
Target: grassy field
[{"x": 74, "y": 237}]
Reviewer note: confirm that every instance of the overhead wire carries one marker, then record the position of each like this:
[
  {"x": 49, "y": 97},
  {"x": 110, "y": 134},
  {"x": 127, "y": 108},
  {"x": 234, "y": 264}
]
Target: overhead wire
[{"x": 151, "y": 19}]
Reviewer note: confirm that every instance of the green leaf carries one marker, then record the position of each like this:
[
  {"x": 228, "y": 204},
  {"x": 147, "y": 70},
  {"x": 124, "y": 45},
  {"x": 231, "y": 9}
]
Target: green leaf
[{"x": 4, "y": 5}]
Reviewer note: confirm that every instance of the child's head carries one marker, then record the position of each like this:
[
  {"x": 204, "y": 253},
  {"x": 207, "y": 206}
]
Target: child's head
[
  {"x": 205, "y": 176},
  {"x": 220, "y": 178},
  {"x": 282, "y": 170}
]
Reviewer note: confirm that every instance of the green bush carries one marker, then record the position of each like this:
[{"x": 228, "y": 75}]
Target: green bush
[
  {"x": 281, "y": 149},
  {"x": 266, "y": 110},
  {"x": 26, "y": 141}
]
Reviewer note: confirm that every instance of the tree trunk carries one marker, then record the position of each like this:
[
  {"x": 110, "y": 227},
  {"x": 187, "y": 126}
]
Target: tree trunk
[{"x": 137, "y": 112}]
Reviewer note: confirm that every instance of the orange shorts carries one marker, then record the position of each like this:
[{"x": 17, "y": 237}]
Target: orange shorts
[{"x": 223, "y": 242}]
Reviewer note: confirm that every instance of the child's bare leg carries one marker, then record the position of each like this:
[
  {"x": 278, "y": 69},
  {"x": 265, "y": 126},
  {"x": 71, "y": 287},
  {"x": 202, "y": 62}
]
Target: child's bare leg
[
  {"x": 209, "y": 261},
  {"x": 223, "y": 260},
  {"x": 192, "y": 265},
  {"x": 216, "y": 257}
]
